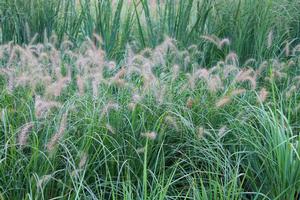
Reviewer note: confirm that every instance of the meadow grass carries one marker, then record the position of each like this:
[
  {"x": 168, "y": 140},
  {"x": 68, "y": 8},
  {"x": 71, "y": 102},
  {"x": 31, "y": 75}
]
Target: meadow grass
[
  {"x": 145, "y": 23},
  {"x": 183, "y": 99}
]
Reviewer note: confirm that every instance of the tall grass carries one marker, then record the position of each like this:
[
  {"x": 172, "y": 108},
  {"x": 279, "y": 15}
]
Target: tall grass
[
  {"x": 76, "y": 126},
  {"x": 184, "y": 99},
  {"x": 146, "y": 23}
]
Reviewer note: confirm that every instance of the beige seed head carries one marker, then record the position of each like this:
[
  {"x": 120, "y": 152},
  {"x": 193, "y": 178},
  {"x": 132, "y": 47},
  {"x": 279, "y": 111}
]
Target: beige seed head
[
  {"x": 224, "y": 42},
  {"x": 278, "y": 74},
  {"x": 109, "y": 107},
  {"x": 175, "y": 72},
  {"x": 190, "y": 102},
  {"x": 120, "y": 74},
  {"x": 291, "y": 91},
  {"x": 56, "y": 88},
  {"x": 140, "y": 150},
  {"x": 249, "y": 61},
  {"x": 136, "y": 97},
  {"x": 223, "y": 101},
  {"x": 238, "y": 92},
  {"x": 10, "y": 85},
  {"x": 287, "y": 49},
  {"x": 216, "y": 41},
  {"x": 263, "y": 95},
  {"x": 111, "y": 65},
  {"x": 44, "y": 179},
  {"x": 80, "y": 85},
  {"x": 150, "y": 135},
  {"x": 23, "y": 136},
  {"x": 247, "y": 75},
  {"x": 110, "y": 128},
  {"x": 171, "y": 121},
  {"x": 214, "y": 83},
  {"x": 270, "y": 39},
  {"x": 232, "y": 58},
  {"x": 43, "y": 106},
  {"x": 222, "y": 131},
  {"x": 95, "y": 88},
  {"x": 59, "y": 134},
  {"x": 200, "y": 132},
  {"x": 132, "y": 106}
]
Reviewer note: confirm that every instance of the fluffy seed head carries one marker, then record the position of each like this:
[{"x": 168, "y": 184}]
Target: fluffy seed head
[
  {"x": 95, "y": 88},
  {"x": 120, "y": 74},
  {"x": 132, "y": 106},
  {"x": 200, "y": 132},
  {"x": 216, "y": 41},
  {"x": 140, "y": 150},
  {"x": 80, "y": 85},
  {"x": 110, "y": 128},
  {"x": 23, "y": 136},
  {"x": 291, "y": 91},
  {"x": 109, "y": 107},
  {"x": 175, "y": 72},
  {"x": 249, "y": 61},
  {"x": 278, "y": 74},
  {"x": 43, "y": 106},
  {"x": 59, "y": 134},
  {"x": 56, "y": 88},
  {"x": 199, "y": 74},
  {"x": 247, "y": 75},
  {"x": 238, "y": 92},
  {"x": 171, "y": 121},
  {"x": 44, "y": 179},
  {"x": 111, "y": 65},
  {"x": 214, "y": 83},
  {"x": 190, "y": 102},
  {"x": 224, "y": 42},
  {"x": 287, "y": 49},
  {"x": 222, "y": 131},
  {"x": 232, "y": 58},
  {"x": 223, "y": 101},
  {"x": 270, "y": 39},
  {"x": 10, "y": 85},
  {"x": 150, "y": 135},
  {"x": 136, "y": 97},
  {"x": 263, "y": 95}
]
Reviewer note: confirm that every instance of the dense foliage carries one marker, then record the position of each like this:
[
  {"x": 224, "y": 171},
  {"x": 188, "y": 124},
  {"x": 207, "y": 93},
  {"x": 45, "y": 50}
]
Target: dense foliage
[{"x": 183, "y": 99}]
